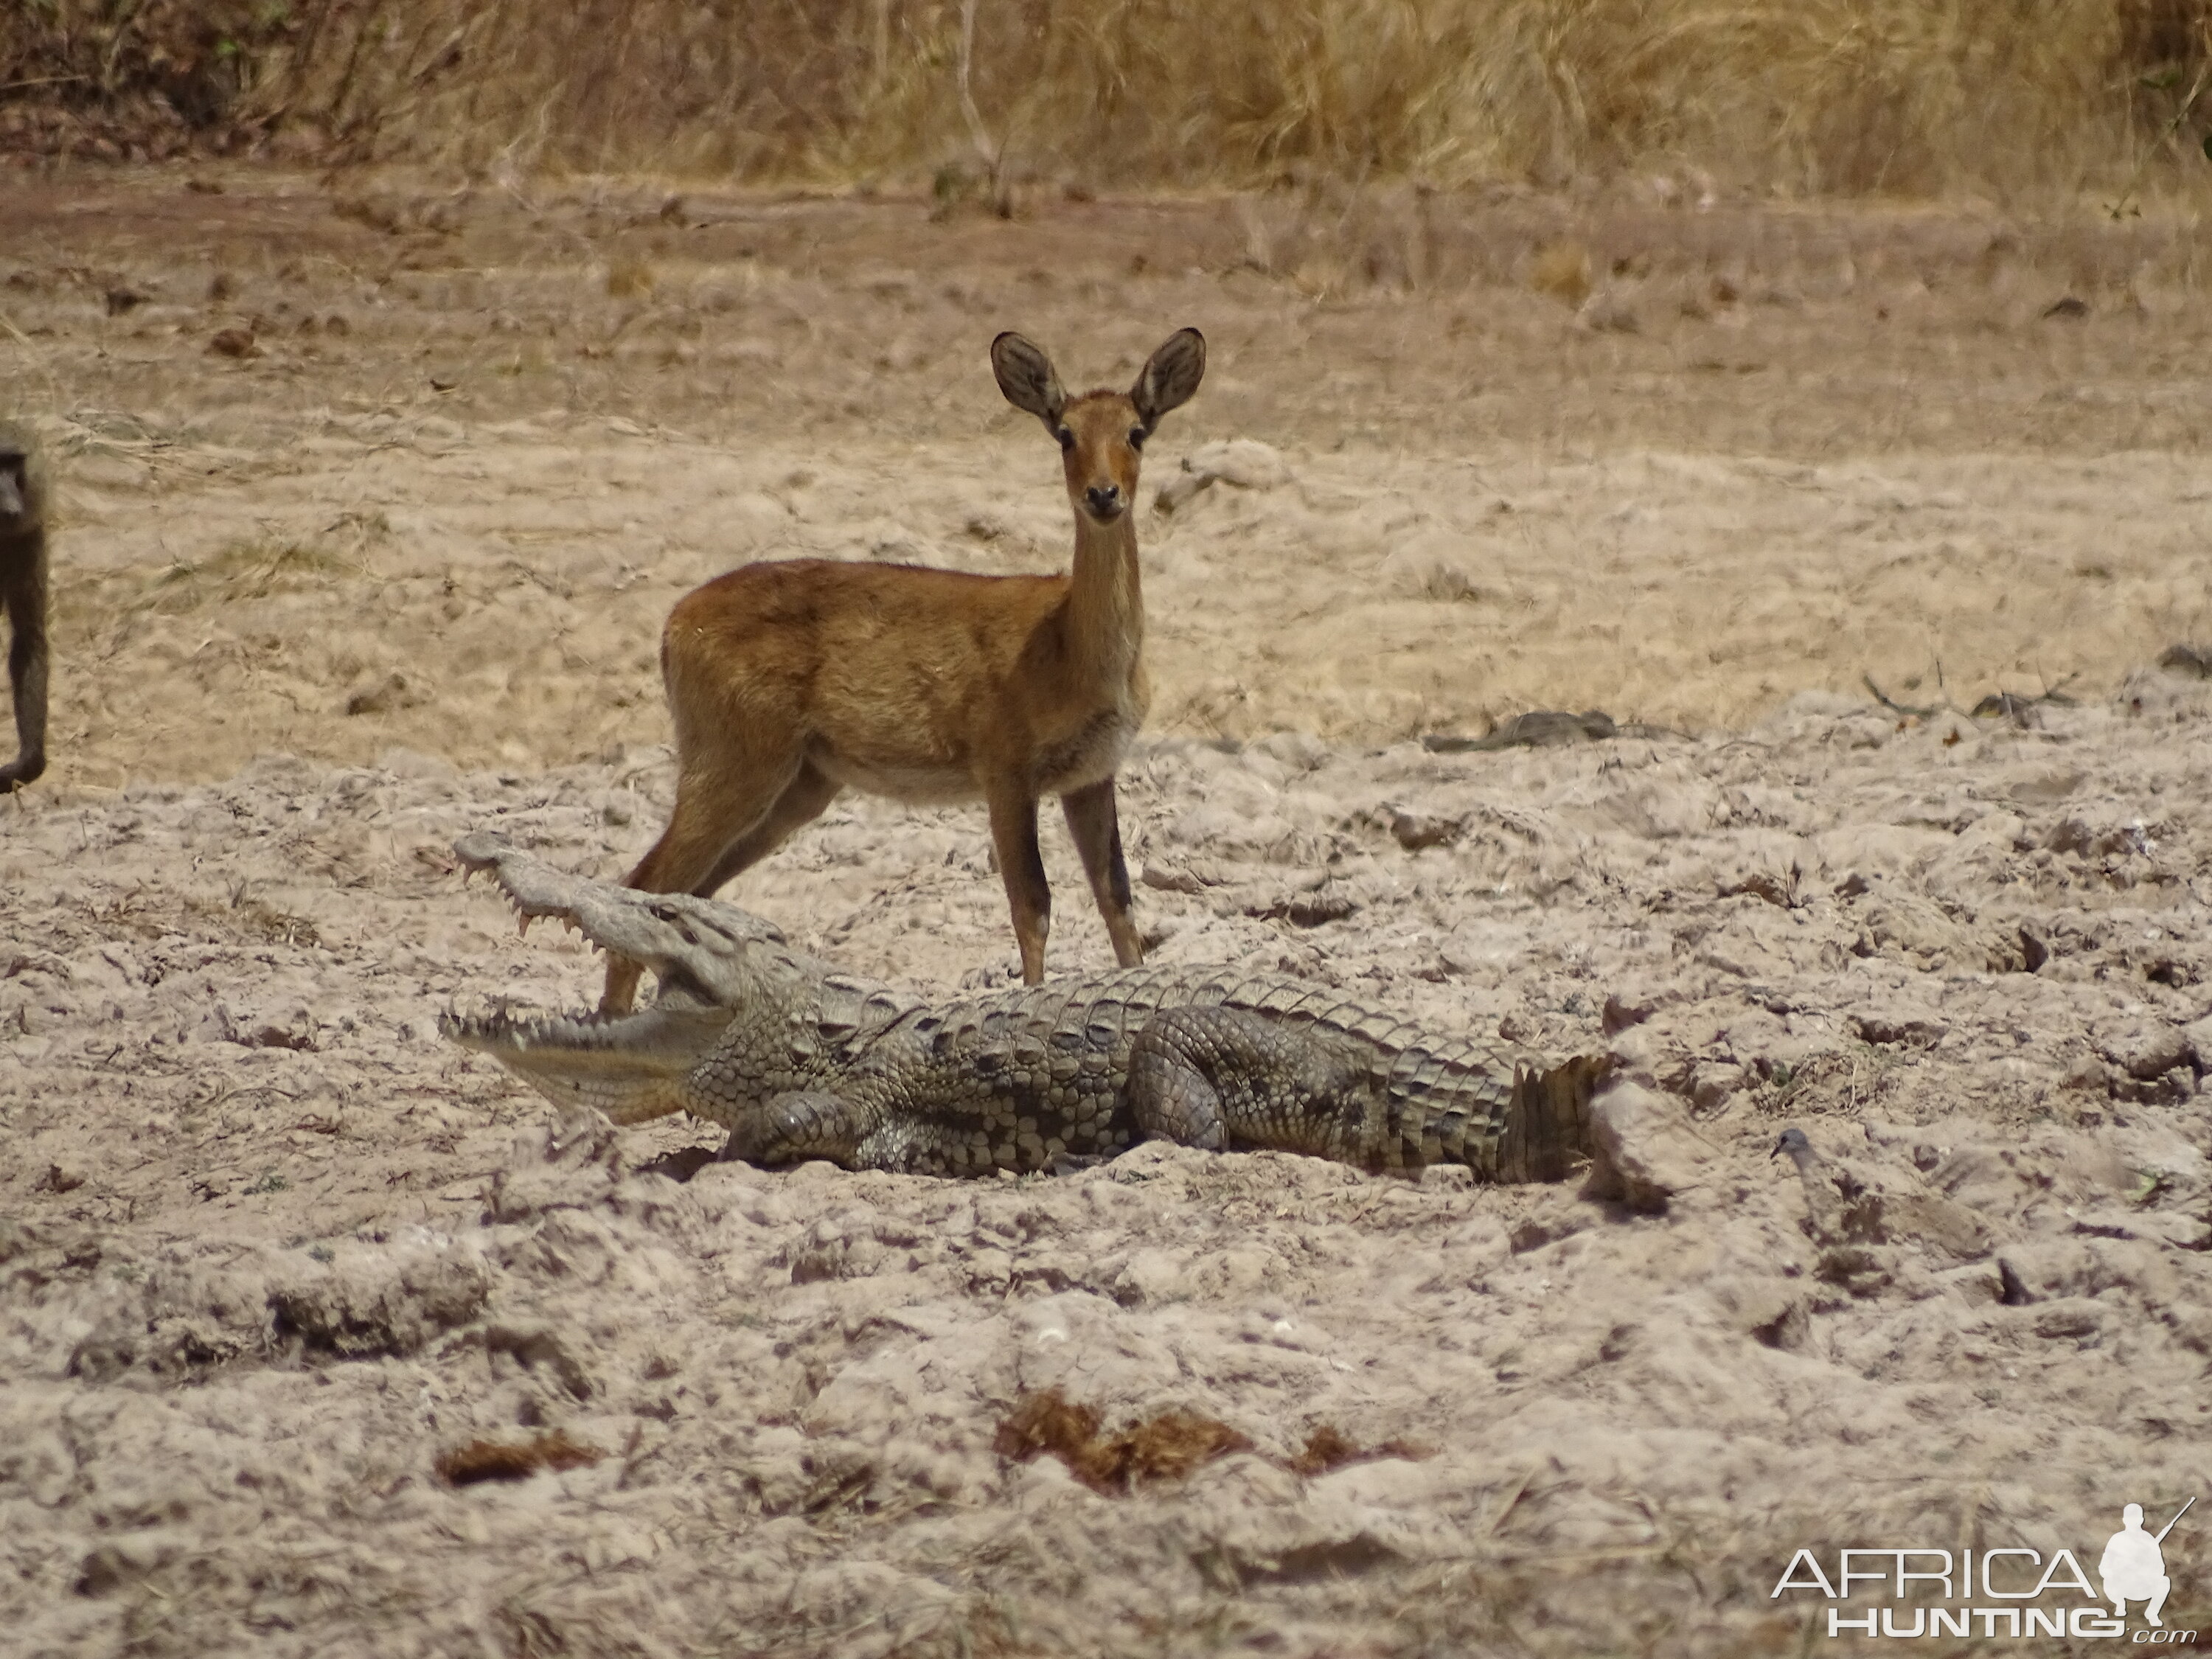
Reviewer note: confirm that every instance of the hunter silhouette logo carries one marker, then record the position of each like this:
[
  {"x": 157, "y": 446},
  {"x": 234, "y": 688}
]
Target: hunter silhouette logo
[
  {"x": 2133, "y": 1568},
  {"x": 2003, "y": 1588}
]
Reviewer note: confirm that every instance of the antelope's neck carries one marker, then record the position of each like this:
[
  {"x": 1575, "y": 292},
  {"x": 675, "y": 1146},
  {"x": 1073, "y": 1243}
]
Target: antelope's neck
[{"x": 1105, "y": 596}]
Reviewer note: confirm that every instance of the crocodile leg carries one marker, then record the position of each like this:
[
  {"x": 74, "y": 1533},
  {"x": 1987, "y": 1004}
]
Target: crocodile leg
[
  {"x": 1220, "y": 1078},
  {"x": 791, "y": 1128}
]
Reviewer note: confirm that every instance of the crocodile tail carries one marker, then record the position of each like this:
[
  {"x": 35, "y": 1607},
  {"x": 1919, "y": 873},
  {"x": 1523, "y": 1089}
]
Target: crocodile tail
[{"x": 1547, "y": 1131}]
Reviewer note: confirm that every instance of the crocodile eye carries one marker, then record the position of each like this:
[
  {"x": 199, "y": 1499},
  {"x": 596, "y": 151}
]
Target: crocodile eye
[
  {"x": 1137, "y": 436},
  {"x": 1067, "y": 438}
]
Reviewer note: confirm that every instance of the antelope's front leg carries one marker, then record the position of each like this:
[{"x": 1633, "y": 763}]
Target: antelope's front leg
[
  {"x": 1021, "y": 866},
  {"x": 1096, "y": 828}
]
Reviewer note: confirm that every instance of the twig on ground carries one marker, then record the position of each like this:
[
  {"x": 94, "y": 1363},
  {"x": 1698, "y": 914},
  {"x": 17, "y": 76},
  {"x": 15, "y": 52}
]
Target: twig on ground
[{"x": 1890, "y": 703}]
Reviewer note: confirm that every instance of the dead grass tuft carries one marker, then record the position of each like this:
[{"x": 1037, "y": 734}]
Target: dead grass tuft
[
  {"x": 630, "y": 279},
  {"x": 1851, "y": 96},
  {"x": 1562, "y": 270},
  {"x": 1166, "y": 1446},
  {"x": 493, "y": 1459},
  {"x": 1327, "y": 1448},
  {"x": 1163, "y": 1447}
]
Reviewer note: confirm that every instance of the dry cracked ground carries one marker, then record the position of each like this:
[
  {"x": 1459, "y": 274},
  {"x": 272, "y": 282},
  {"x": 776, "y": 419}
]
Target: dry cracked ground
[{"x": 284, "y": 1272}]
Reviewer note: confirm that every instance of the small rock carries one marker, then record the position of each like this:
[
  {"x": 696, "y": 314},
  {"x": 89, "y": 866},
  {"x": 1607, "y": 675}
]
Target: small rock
[
  {"x": 1551, "y": 728},
  {"x": 296, "y": 1032},
  {"x": 2076, "y": 1316},
  {"x": 1556, "y": 1218},
  {"x": 1415, "y": 831},
  {"x": 1712, "y": 1084},
  {"x": 1245, "y": 462},
  {"x": 16, "y": 1239},
  {"x": 1767, "y": 1311},
  {"x": 234, "y": 343},
  {"x": 1562, "y": 270},
  {"x": 1911, "y": 1027},
  {"x": 2194, "y": 660},
  {"x": 412, "y": 764},
  {"x": 1608, "y": 311},
  {"x": 569, "y": 1165},
  {"x": 1305, "y": 909},
  {"x": 1433, "y": 564},
  {"x": 381, "y": 694},
  {"x": 1646, "y": 1151},
  {"x": 2085, "y": 1073},
  {"x": 1180, "y": 489},
  {"x": 2147, "y": 1052},
  {"x": 1300, "y": 751},
  {"x": 2199, "y": 1033},
  {"x": 42, "y": 1466},
  {"x": 542, "y": 1348},
  {"x": 1167, "y": 878},
  {"x": 377, "y": 1302},
  {"x": 2069, "y": 1269},
  {"x": 125, "y": 1562},
  {"x": 1539, "y": 728},
  {"x": 1620, "y": 1012},
  {"x": 1150, "y": 1278}
]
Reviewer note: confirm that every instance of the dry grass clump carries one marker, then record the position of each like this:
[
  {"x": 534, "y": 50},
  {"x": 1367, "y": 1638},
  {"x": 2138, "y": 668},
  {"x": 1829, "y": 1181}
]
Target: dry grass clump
[
  {"x": 1329, "y": 1448},
  {"x": 1906, "y": 96},
  {"x": 1166, "y": 1446},
  {"x": 494, "y": 1460},
  {"x": 1562, "y": 270},
  {"x": 1820, "y": 96},
  {"x": 1163, "y": 1447}
]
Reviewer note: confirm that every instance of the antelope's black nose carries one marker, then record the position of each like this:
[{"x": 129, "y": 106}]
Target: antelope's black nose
[{"x": 1104, "y": 501}]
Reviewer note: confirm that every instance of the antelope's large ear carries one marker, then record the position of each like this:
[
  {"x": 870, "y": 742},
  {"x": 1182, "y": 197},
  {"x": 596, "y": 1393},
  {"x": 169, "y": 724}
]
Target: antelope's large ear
[
  {"x": 1171, "y": 377},
  {"x": 1025, "y": 375}
]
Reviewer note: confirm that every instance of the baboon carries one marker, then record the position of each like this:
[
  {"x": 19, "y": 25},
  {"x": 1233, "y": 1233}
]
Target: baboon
[{"x": 23, "y": 595}]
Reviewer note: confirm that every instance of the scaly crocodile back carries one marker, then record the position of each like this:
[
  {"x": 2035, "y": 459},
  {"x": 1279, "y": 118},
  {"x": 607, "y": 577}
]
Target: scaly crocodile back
[{"x": 1024, "y": 1078}]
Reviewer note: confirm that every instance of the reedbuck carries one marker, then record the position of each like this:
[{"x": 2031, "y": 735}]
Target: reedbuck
[{"x": 788, "y": 681}]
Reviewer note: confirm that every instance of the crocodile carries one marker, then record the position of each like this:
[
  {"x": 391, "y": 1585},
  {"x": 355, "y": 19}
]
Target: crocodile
[{"x": 799, "y": 1060}]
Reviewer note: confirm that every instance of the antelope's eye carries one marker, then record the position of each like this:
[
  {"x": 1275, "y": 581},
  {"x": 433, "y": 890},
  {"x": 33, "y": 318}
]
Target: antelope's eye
[
  {"x": 1137, "y": 436},
  {"x": 1067, "y": 438}
]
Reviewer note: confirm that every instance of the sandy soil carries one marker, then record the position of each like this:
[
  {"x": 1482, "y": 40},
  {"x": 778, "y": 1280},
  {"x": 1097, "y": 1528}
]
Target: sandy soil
[{"x": 272, "y": 1251}]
